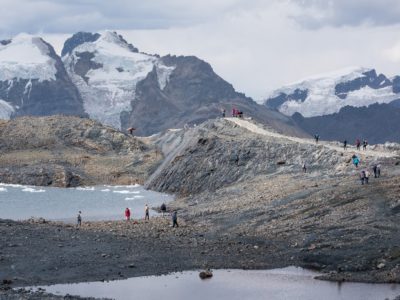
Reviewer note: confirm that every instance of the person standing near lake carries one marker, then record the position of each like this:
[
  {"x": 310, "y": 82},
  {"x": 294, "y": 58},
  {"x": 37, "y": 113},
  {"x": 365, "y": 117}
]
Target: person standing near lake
[
  {"x": 146, "y": 212},
  {"x": 175, "y": 219},
  {"x": 79, "y": 219},
  {"x": 163, "y": 209},
  {"x": 127, "y": 214}
]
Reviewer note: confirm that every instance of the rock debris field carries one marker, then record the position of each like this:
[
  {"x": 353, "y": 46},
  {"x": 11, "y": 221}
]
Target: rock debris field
[{"x": 242, "y": 201}]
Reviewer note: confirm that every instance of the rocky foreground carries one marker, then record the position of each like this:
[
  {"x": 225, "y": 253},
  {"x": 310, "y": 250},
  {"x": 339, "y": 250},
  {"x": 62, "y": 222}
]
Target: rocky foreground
[
  {"x": 71, "y": 151},
  {"x": 244, "y": 203}
]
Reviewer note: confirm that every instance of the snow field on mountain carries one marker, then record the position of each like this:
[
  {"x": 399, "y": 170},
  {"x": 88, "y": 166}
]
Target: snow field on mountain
[
  {"x": 111, "y": 88},
  {"x": 26, "y": 57},
  {"x": 6, "y": 110},
  {"x": 321, "y": 98}
]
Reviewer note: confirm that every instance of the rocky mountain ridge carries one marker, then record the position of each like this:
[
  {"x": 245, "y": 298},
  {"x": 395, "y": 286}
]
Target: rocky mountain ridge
[
  {"x": 224, "y": 152},
  {"x": 102, "y": 76},
  {"x": 71, "y": 151}
]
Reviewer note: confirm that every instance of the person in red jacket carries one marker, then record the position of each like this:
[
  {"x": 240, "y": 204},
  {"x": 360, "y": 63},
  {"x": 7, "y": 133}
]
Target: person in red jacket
[{"x": 127, "y": 214}]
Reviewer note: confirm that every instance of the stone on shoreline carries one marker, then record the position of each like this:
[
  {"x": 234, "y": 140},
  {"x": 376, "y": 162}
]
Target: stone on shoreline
[{"x": 205, "y": 274}]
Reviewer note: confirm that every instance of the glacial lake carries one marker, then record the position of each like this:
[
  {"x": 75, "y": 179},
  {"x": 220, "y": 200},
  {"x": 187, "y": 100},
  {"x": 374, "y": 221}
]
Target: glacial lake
[
  {"x": 19, "y": 202},
  {"x": 278, "y": 284}
]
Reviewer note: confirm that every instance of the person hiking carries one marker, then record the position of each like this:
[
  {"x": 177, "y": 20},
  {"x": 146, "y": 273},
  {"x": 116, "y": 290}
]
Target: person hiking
[
  {"x": 130, "y": 130},
  {"x": 378, "y": 170},
  {"x": 146, "y": 212},
  {"x": 366, "y": 176},
  {"x": 356, "y": 160},
  {"x": 233, "y": 112},
  {"x": 79, "y": 219},
  {"x": 223, "y": 113},
  {"x": 304, "y": 167},
  {"x": 344, "y": 144},
  {"x": 175, "y": 219},
  {"x": 358, "y": 143},
  {"x": 362, "y": 176},
  {"x": 365, "y": 143},
  {"x": 127, "y": 214},
  {"x": 163, "y": 209},
  {"x": 316, "y": 137}
]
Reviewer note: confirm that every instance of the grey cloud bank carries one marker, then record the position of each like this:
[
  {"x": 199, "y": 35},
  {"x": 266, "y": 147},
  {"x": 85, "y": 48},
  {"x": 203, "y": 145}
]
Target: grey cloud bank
[
  {"x": 314, "y": 14},
  {"x": 256, "y": 45}
]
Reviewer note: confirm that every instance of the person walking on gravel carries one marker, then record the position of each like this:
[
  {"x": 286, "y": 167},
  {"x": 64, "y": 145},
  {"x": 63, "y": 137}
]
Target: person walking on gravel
[
  {"x": 344, "y": 144},
  {"x": 127, "y": 214},
  {"x": 356, "y": 160},
  {"x": 366, "y": 178},
  {"x": 304, "y": 167},
  {"x": 175, "y": 219},
  {"x": 146, "y": 212},
  {"x": 163, "y": 209},
  {"x": 362, "y": 177},
  {"x": 79, "y": 219}
]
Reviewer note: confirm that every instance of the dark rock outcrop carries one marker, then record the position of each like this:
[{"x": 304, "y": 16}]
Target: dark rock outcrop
[
  {"x": 370, "y": 79},
  {"x": 78, "y": 39},
  {"x": 275, "y": 102},
  {"x": 193, "y": 94}
]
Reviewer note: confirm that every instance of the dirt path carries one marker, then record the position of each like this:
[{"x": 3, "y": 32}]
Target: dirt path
[{"x": 258, "y": 130}]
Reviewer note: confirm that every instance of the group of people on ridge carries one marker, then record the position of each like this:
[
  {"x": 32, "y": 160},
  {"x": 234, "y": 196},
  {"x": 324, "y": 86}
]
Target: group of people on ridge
[{"x": 364, "y": 144}]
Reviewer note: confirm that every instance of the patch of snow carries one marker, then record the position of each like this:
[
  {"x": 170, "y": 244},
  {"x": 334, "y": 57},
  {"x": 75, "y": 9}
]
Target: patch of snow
[
  {"x": 133, "y": 198},
  {"x": 124, "y": 192},
  {"x": 110, "y": 89},
  {"x": 3, "y": 189},
  {"x": 6, "y": 110},
  {"x": 26, "y": 57},
  {"x": 163, "y": 74},
  {"x": 85, "y": 188},
  {"x": 321, "y": 98},
  {"x": 32, "y": 190}
]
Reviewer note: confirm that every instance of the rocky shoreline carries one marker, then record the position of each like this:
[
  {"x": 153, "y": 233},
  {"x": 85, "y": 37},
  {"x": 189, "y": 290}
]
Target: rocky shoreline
[{"x": 217, "y": 234}]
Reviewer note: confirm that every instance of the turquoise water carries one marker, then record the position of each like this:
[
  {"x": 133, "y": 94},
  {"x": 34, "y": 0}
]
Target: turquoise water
[
  {"x": 20, "y": 202},
  {"x": 279, "y": 284}
]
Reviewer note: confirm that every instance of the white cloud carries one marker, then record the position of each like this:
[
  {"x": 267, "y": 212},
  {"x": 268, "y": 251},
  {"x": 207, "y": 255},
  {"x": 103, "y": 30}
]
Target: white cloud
[{"x": 393, "y": 53}]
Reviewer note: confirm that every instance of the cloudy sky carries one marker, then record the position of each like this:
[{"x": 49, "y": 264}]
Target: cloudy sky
[{"x": 257, "y": 45}]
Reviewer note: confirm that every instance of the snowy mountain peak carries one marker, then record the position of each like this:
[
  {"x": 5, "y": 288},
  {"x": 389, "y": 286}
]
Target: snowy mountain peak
[
  {"x": 106, "y": 70},
  {"x": 26, "y": 57},
  {"x": 327, "y": 93}
]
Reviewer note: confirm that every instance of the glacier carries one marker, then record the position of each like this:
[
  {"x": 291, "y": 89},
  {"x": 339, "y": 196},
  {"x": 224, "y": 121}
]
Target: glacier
[
  {"x": 109, "y": 89},
  {"x": 321, "y": 97},
  {"x": 26, "y": 57}
]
